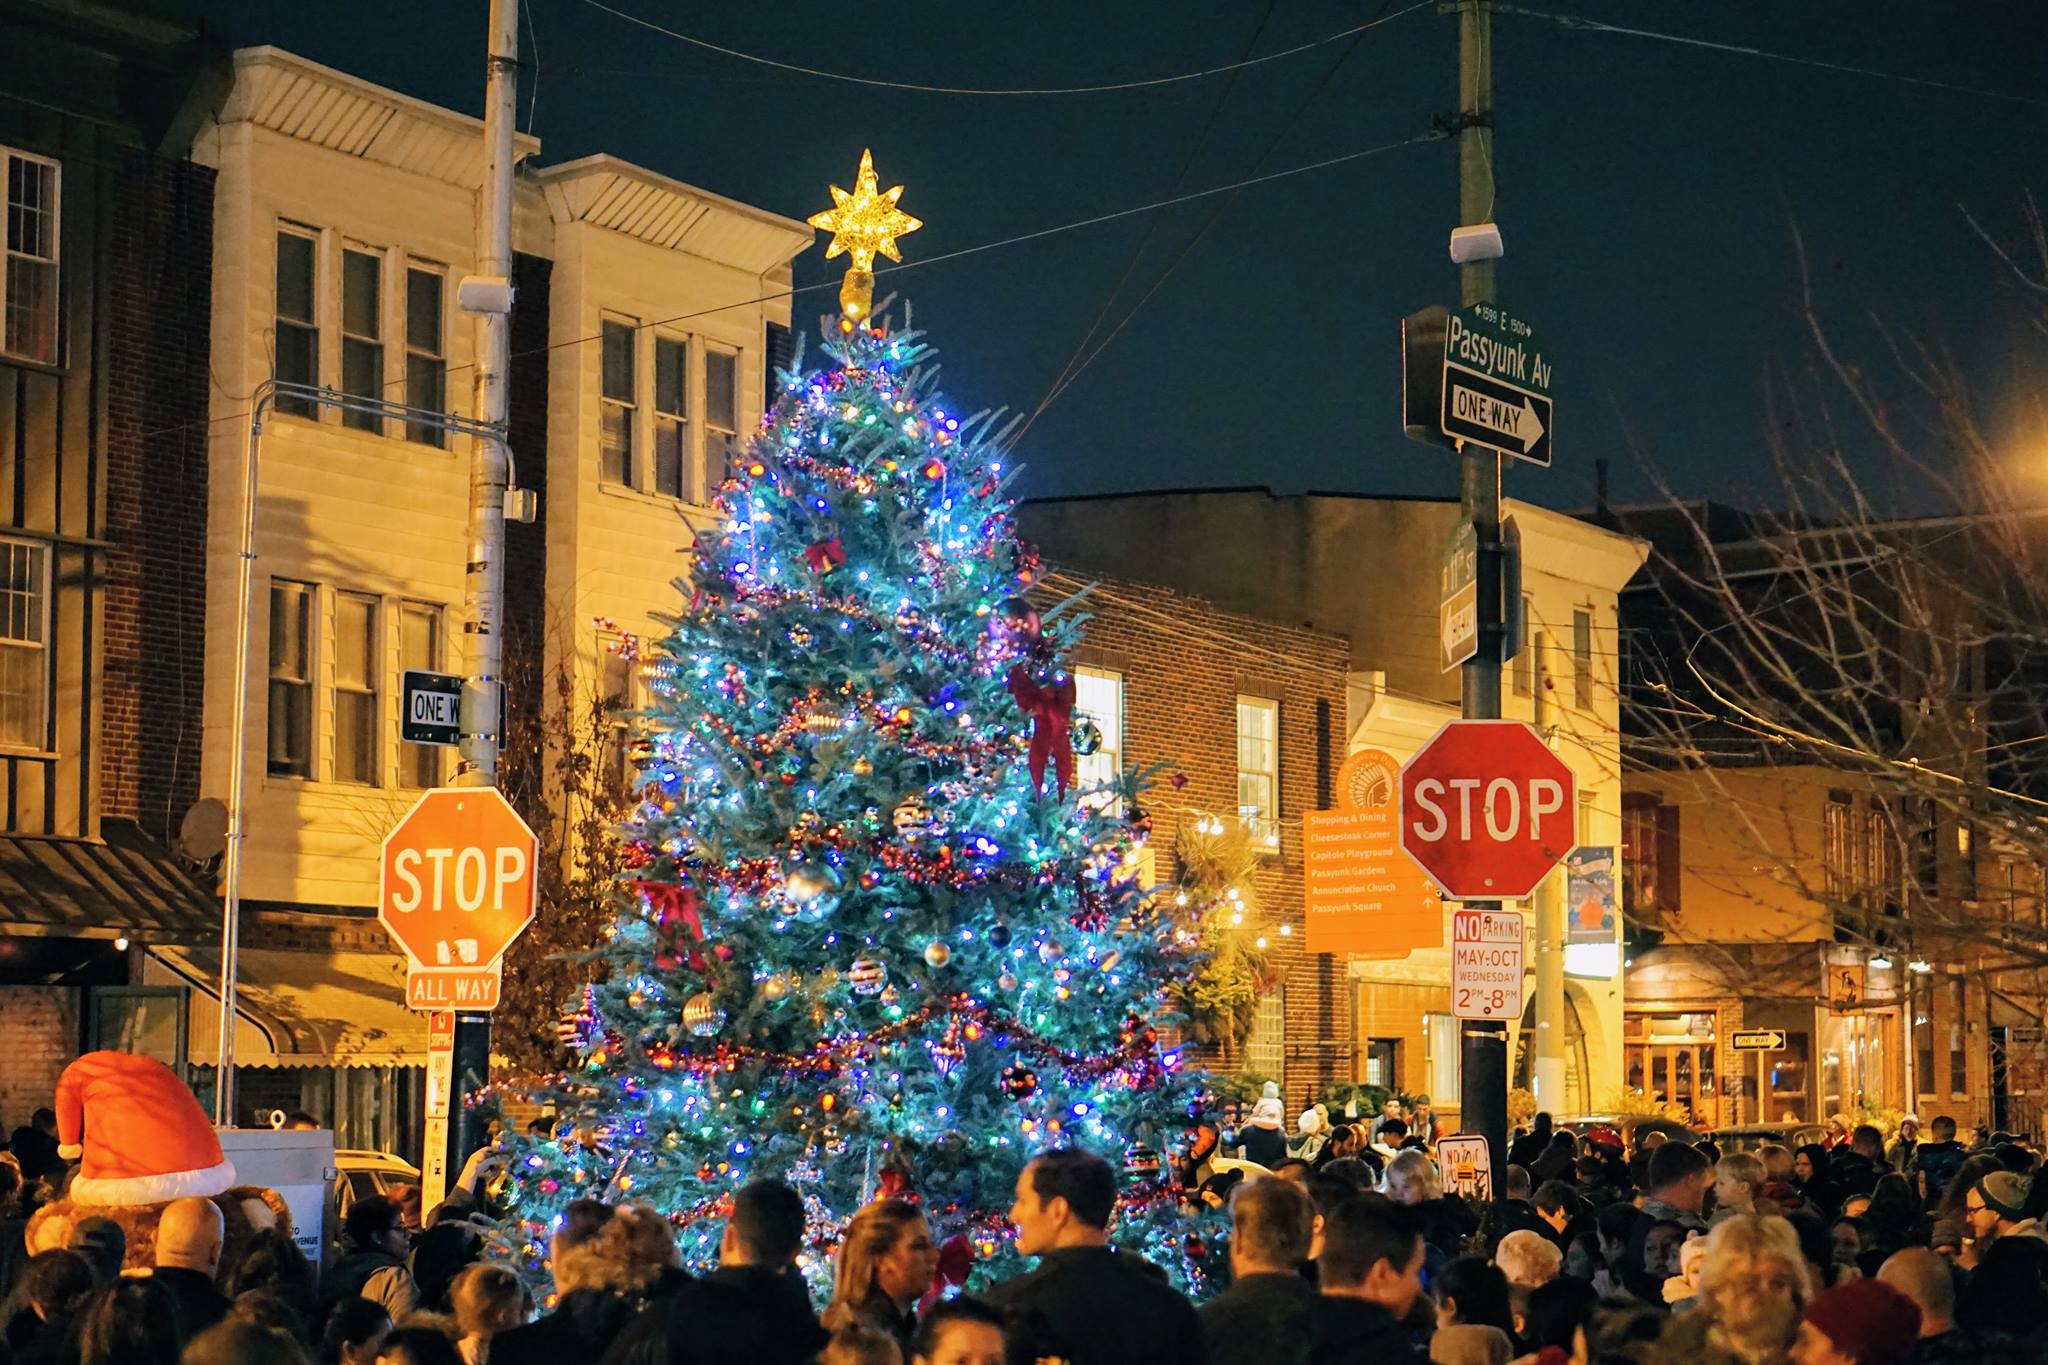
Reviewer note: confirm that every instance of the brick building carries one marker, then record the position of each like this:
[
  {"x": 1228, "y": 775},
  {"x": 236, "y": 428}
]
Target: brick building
[
  {"x": 1251, "y": 714},
  {"x": 103, "y": 401}
]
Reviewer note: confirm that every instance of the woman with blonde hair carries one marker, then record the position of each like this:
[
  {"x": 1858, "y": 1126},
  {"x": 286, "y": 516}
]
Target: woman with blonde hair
[
  {"x": 885, "y": 1264},
  {"x": 1753, "y": 1285},
  {"x": 488, "y": 1299}
]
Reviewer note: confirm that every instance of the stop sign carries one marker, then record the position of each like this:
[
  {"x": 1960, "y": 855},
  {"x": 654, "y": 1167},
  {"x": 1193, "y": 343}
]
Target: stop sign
[
  {"x": 459, "y": 876},
  {"x": 1487, "y": 809}
]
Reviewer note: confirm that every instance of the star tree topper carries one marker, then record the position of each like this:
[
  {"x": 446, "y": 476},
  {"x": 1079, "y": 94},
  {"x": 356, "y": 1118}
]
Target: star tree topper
[{"x": 863, "y": 223}]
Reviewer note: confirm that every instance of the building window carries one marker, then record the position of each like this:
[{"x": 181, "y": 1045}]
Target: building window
[
  {"x": 617, "y": 403},
  {"x": 1440, "y": 1038},
  {"x": 1840, "y": 859},
  {"x": 291, "y": 679},
  {"x": 1265, "y": 1051},
  {"x": 355, "y": 689},
  {"x": 1099, "y": 695},
  {"x": 426, "y": 353},
  {"x": 419, "y": 647},
  {"x": 1650, "y": 853},
  {"x": 1258, "y": 767},
  {"x": 721, "y": 407},
  {"x": 622, "y": 696},
  {"x": 24, "y": 644},
  {"x": 1882, "y": 864},
  {"x": 1525, "y": 656},
  {"x": 297, "y": 341},
  {"x": 1582, "y": 660},
  {"x": 672, "y": 417},
  {"x": 362, "y": 335},
  {"x": 28, "y": 288},
  {"x": 1383, "y": 1062},
  {"x": 1919, "y": 1000},
  {"x": 1958, "y": 1050}
]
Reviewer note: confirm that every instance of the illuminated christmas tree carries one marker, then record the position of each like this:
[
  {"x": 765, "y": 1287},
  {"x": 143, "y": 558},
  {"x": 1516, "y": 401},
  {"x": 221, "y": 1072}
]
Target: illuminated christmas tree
[{"x": 874, "y": 939}]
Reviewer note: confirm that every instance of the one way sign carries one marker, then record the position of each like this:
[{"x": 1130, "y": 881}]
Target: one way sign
[
  {"x": 1490, "y": 413},
  {"x": 1496, "y": 389}
]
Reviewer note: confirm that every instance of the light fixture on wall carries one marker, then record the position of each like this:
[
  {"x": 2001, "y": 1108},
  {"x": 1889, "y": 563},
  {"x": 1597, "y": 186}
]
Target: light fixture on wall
[
  {"x": 121, "y": 944},
  {"x": 1920, "y": 966},
  {"x": 1879, "y": 962}
]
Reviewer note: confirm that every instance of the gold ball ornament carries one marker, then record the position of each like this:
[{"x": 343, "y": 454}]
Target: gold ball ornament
[
  {"x": 937, "y": 955},
  {"x": 701, "y": 1016}
]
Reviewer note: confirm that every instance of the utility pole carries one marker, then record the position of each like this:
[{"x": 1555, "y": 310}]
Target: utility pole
[
  {"x": 1548, "y": 1049},
  {"x": 1483, "y": 1046},
  {"x": 488, "y": 297}
]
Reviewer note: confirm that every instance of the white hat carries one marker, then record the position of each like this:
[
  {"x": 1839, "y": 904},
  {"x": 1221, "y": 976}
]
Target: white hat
[{"x": 1310, "y": 1122}]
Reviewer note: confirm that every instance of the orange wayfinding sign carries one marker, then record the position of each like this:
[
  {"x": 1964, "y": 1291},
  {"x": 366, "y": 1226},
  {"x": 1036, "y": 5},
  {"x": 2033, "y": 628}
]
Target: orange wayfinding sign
[
  {"x": 1364, "y": 896},
  {"x": 458, "y": 882}
]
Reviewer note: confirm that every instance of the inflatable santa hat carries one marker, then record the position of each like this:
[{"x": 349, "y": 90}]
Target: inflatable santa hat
[{"x": 142, "y": 1138}]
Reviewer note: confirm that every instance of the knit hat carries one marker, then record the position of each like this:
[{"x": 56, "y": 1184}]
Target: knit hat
[
  {"x": 1267, "y": 1113},
  {"x": 2004, "y": 1193},
  {"x": 142, "y": 1138},
  {"x": 1868, "y": 1321},
  {"x": 1309, "y": 1123},
  {"x": 102, "y": 1243}
]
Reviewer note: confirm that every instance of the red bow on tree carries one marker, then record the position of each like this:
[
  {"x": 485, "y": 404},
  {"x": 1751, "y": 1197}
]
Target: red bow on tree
[
  {"x": 1052, "y": 717},
  {"x": 956, "y": 1261},
  {"x": 674, "y": 906},
  {"x": 824, "y": 555}
]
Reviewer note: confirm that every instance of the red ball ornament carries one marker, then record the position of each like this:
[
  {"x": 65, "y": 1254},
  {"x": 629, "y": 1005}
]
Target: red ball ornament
[
  {"x": 1019, "y": 1082},
  {"x": 1195, "y": 1248}
]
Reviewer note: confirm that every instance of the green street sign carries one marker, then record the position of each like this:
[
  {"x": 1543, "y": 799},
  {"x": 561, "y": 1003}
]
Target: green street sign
[{"x": 1496, "y": 384}]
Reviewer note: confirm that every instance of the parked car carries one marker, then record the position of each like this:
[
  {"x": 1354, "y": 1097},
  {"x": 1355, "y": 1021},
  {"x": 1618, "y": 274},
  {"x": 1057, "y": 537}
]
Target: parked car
[
  {"x": 361, "y": 1174},
  {"x": 1632, "y": 1127},
  {"x": 1749, "y": 1137}
]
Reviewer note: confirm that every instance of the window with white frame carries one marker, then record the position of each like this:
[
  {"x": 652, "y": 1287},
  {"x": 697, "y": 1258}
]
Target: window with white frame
[
  {"x": 296, "y": 340},
  {"x": 426, "y": 351},
  {"x": 1265, "y": 1051},
  {"x": 419, "y": 647},
  {"x": 672, "y": 417},
  {"x": 618, "y": 403},
  {"x": 357, "y": 749},
  {"x": 721, "y": 409},
  {"x": 1099, "y": 695},
  {"x": 290, "y": 721},
  {"x": 1258, "y": 767},
  {"x": 28, "y": 286},
  {"x": 623, "y": 694},
  {"x": 362, "y": 333},
  {"x": 24, "y": 644}
]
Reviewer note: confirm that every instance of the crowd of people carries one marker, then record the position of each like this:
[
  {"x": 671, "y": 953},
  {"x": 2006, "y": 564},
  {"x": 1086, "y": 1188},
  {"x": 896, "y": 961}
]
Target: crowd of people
[{"x": 1344, "y": 1250}]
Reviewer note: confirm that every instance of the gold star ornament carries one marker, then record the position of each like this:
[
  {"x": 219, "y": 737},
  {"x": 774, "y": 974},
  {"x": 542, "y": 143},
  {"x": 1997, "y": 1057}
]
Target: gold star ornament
[{"x": 863, "y": 223}]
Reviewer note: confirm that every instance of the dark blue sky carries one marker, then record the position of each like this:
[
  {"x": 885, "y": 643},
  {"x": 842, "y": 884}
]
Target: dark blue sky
[{"x": 1647, "y": 194}]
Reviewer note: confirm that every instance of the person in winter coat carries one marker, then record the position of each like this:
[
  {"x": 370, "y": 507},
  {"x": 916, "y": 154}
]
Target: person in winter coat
[
  {"x": 602, "y": 1275},
  {"x": 1370, "y": 1275},
  {"x": 1810, "y": 1165},
  {"x": 1311, "y": 1130},
  {"x": 1753, "y": 1287},
  {"x": 1855, "y": 1170},
  {"x": 1444, "y": 1221},
  {"x": 1267, "y": 1315},
  {"x": 754, "y": 1307},
  {"x": 1858, "y": 1322},
  {"x": 1086, "y": 1303},
  {"x": 372, "y": 1265},
  {"x": 1899, "y": 1156},
  {"x": 1261, "y": 1137},
  {"x": 885, "y": 1264},
  {"x": 1524, "y": 1150},
  {"x": 1936, "y": 1160}
]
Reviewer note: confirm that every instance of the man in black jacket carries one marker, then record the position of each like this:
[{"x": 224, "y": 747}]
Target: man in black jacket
[
  {"x": 1856, "y": 1170},
  {"x": 1267, "y": 1316},
  {"x": 1370, "y": 1271},
  {"x": 1087, "y": 1303},
  {"x": 754, "y": 1307},
  {"x": 188, "y": 1244},
  {"x": 1936, "y": 1161}
]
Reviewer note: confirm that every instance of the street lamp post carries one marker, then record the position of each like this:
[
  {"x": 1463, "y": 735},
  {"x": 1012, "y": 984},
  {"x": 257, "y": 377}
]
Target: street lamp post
[{"x": 266, "y": 396}]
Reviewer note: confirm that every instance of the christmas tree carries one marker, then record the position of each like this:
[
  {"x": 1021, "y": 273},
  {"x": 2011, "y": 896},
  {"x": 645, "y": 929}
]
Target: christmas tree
[{"x": 873, "y": 937}]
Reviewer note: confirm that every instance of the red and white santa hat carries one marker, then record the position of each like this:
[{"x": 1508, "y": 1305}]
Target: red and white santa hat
[{"x": 139, "y": 1135}]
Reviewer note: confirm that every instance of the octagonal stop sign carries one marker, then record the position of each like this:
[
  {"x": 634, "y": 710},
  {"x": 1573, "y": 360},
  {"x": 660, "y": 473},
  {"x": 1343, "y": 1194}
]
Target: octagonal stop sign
[
  {"x": 1487, "y": 809},
  {"x": 459, "y": 876}
]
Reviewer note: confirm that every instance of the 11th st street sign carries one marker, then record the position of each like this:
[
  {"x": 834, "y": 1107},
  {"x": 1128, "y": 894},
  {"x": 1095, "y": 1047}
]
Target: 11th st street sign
[{"x": 1496, "y": 389}]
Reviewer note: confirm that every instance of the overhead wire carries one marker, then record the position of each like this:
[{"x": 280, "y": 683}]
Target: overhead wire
[
  {"x": 1287, "y": 126},
  {"x": 1585, "y": 25},
  {"x": 1147, "y": 83}
]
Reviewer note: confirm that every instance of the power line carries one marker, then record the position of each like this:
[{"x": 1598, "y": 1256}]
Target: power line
[
  {"x": 1583, "y": 24},
  {"x": 1147, "y": 83}
]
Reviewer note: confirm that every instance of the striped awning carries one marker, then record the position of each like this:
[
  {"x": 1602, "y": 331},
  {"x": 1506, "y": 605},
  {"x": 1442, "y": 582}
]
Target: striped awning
[{"x": 121, "y": 885}]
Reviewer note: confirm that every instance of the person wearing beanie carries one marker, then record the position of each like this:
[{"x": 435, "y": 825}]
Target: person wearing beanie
[
  {"x": 1312, "y": 1130},
  {"x": 1996, "y": 1207},
  {"x": 1858, "y": 1322},
  {"x": 1262, "y": 1137},
  {"x": 103, "y": 1244}
]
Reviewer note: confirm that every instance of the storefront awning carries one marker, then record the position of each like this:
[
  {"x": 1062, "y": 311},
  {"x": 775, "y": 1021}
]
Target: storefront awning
[
  {"x": 336, "y": 1008},
  {"x": 121, "y": 885}
]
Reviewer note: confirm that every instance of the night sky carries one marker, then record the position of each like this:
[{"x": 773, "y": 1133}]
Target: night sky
[{"x": 1648, "y": 195}]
